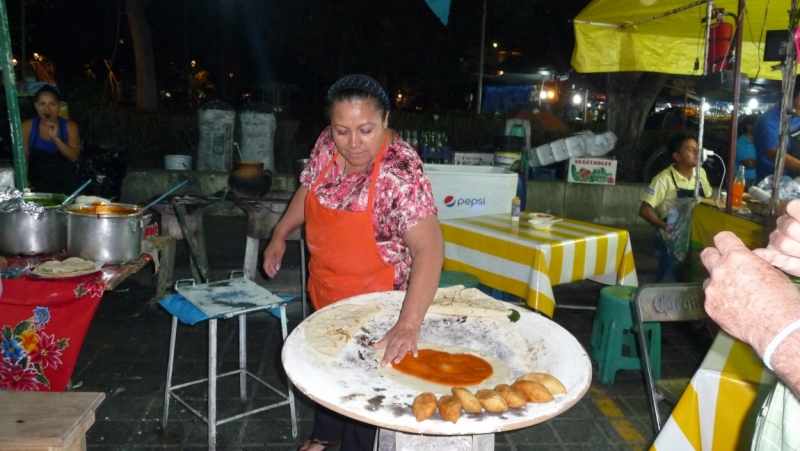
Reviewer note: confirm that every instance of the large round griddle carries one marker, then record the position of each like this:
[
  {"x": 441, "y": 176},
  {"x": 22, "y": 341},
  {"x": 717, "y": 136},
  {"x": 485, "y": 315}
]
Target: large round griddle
[{"x": 352, "y": 385}]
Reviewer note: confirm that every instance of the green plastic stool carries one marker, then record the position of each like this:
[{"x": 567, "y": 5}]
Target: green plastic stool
[
  {"x": 452, "y": 278},
  {"x": 612, "y": 330}
]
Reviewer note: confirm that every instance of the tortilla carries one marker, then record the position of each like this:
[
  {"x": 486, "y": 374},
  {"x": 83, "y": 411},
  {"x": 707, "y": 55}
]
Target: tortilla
[
  {"x": 502, "y": 373},
  {"x": 72, "y": 265},
  {"x": 329, "y": 330},
  {"x": 467, "y": 302}
]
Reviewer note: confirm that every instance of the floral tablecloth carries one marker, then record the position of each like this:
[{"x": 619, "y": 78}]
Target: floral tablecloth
[
  {"x": 43, "y": 321},
  {"x": 42, "y": 327}
]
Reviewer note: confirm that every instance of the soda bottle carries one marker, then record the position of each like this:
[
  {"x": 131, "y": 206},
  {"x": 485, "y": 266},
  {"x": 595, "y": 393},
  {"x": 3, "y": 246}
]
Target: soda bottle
[
  {"x": 738, "y": 188},
  {"x": 516, "y": 208}
]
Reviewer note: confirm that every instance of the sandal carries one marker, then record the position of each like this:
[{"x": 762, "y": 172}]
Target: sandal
[{"x": 315, "y": 441}]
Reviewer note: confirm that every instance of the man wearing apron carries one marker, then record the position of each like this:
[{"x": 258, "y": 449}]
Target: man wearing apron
[
  {"x": 676, "y": 181},
  {"x": 370, "y": 226}
]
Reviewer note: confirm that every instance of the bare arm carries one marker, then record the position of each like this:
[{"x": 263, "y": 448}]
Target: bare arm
[
  {"x": 70, "y": 149},
  {"x": 647, "y": 213},
  {"x": 791, "y": 163},
  {"x": 753, "y": 305},
  {"x": 293, "y": 218},
  {"x": 426, "y": 245},
  {"x": 749, "y": 163}
]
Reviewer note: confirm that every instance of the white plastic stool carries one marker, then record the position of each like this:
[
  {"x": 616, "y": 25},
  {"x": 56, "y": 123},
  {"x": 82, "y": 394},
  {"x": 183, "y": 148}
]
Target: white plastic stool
[{"x": 219, "y": 301}]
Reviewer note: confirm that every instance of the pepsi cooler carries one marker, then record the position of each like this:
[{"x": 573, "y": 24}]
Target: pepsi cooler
[{"x": 466, "y": 191}]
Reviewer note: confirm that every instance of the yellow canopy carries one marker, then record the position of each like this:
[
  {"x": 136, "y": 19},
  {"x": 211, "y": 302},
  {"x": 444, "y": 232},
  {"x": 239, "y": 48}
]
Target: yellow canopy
[{"x": 669, "y": 44}]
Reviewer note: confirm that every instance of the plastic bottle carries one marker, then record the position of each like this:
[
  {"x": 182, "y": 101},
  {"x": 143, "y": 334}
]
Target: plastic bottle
[
  {"x": 738, "y": 188},
  {"x": 516, "y": 206}
]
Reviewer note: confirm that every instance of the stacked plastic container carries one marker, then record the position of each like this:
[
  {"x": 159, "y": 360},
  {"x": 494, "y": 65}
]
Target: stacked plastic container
[{"x": 583, "y": 144}]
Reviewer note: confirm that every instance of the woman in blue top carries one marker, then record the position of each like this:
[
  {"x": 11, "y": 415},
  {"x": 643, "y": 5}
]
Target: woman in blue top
[
  {"x": 746, "y": 150},
  {"x": 52, "y": 146}
]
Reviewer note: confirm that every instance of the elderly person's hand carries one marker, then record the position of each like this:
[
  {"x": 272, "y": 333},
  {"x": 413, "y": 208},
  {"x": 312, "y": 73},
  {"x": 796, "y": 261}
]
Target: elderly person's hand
[
  {"x": 749, "y": 298},
  {"x": 783, "y": 251}
]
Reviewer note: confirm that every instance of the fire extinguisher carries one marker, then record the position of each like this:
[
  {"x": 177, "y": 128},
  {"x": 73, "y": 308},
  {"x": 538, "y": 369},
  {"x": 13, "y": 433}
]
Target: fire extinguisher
[{"x": 720, "y": 41}]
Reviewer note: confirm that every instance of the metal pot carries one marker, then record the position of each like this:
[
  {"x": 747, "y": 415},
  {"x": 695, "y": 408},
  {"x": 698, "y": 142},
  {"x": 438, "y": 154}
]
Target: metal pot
[
  {"x": 23, "y": 234},
  {"x": 103, "y": 235}
]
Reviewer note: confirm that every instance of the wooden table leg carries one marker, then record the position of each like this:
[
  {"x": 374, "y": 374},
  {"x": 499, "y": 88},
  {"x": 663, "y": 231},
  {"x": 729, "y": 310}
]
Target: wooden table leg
[
  {"x": 389, "y": 440},
  {"x": 195, "y": 225},
  {"x": 166, "y": 259}
]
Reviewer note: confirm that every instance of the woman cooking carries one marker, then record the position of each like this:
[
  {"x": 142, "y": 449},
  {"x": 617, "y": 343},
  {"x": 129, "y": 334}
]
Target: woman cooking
[
  {"x": 370, "y": 226},
  {"x": 52, "y": 146}
]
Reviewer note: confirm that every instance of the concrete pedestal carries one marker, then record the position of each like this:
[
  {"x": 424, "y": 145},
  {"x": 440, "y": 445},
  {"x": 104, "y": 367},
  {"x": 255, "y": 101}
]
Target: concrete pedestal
[{"x": 389, "y": 440}]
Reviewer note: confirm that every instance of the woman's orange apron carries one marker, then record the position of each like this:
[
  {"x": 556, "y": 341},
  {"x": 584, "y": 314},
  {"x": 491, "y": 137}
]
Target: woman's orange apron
[{"x": 345, "y": 260}]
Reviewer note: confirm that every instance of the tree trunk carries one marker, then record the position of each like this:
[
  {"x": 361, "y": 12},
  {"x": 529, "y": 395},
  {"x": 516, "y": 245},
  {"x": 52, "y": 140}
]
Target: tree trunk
[
  {"x": 143, "y": 51},
  {"x": 630, "y": 96}
]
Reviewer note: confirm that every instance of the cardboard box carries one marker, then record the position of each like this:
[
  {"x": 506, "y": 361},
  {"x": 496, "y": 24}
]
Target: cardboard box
[
  {"x": 598, "y": 171},
  {"x": 473, "y": 158},
  {"x": 465, "y": 191}
]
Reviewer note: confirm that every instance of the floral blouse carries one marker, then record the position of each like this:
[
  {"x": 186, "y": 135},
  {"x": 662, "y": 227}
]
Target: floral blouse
[{"x": 403, "y": 196}]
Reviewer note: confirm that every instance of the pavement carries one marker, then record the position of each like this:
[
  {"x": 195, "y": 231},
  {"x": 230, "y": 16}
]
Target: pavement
[{"x": 126, "y": 349}]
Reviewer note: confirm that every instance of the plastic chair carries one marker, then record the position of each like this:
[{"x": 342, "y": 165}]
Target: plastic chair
[
  {"x": 612, "y": 332},
  {"x": 452, "y": 278},
  {"x": 660, "y": 303}
]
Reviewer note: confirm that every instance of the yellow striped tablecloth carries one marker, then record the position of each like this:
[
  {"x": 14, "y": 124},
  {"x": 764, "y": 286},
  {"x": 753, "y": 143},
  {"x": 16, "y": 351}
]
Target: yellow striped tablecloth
[
  {"x": 718, "y": 410},
  {"x": 516, "y": 258}
]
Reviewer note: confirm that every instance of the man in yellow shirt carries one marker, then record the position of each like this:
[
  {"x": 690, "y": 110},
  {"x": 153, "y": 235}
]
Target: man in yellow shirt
[{"x": 676, "y": 181}]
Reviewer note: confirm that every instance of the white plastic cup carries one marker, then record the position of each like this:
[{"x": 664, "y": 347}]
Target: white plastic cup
[{"x": 178, "y": 162}]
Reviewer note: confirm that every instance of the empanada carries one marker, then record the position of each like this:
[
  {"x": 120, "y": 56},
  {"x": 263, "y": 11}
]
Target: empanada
[
  {"x": 514, "y": 398},
  {"x": 424, "y": 405},
  {"x": 492, "y": 401},
  {"x": 469, "y": 402},
  {"x": 449, "y": 408},
  {"x": 533, "y": 391},
  {"x": 552, "y": 384}
]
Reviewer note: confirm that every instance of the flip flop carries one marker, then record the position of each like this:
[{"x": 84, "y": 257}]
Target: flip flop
[{"x": 314, "y": 441}]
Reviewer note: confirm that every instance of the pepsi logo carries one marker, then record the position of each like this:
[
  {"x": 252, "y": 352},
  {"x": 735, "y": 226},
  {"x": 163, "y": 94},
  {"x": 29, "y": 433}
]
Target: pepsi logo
[{"x": 449, "y": 201}]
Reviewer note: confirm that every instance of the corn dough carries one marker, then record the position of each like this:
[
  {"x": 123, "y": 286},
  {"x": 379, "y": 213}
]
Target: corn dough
[
  {"x": 329, "y": 330},
  {"x": 460, "y": 301}
]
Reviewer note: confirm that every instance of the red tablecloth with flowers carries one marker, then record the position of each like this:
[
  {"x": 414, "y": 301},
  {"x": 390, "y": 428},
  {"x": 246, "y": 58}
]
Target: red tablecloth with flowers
[
  {"x": 42, "y": 327},
  {"x": 43, "y": 321}
]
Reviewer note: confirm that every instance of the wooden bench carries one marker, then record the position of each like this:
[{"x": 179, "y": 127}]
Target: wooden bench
[{"x": 34, "y": 421}]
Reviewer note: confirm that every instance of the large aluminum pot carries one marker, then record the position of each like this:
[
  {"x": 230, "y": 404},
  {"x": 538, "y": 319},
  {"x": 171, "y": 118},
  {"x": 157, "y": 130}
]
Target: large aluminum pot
[
  {"x": 23, "y": 234},
  {"x": 110, "y": 233}
]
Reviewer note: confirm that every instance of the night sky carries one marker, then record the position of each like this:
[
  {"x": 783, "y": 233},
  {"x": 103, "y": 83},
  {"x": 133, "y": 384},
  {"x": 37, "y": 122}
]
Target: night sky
[{"x": 307, "y": 43}]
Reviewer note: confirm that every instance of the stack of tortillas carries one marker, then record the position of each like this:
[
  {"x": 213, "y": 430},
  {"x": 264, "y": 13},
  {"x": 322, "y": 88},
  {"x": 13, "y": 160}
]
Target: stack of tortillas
[
  {"x": 70, "y": 267},
  {"x": 460, "y": 301}
]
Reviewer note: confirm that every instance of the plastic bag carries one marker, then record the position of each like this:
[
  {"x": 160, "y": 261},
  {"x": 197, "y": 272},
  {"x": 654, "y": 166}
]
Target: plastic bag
[
  {"x": 679, "y": 226},
  {"x": 790, "y": 189},
  {"x": 106, "y": 167}
]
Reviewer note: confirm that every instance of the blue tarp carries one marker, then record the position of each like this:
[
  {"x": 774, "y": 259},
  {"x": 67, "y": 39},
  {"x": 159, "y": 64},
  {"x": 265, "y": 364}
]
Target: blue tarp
[
  {"x": 503, "y": 98},
  {"x": 188, "y": 313}
]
